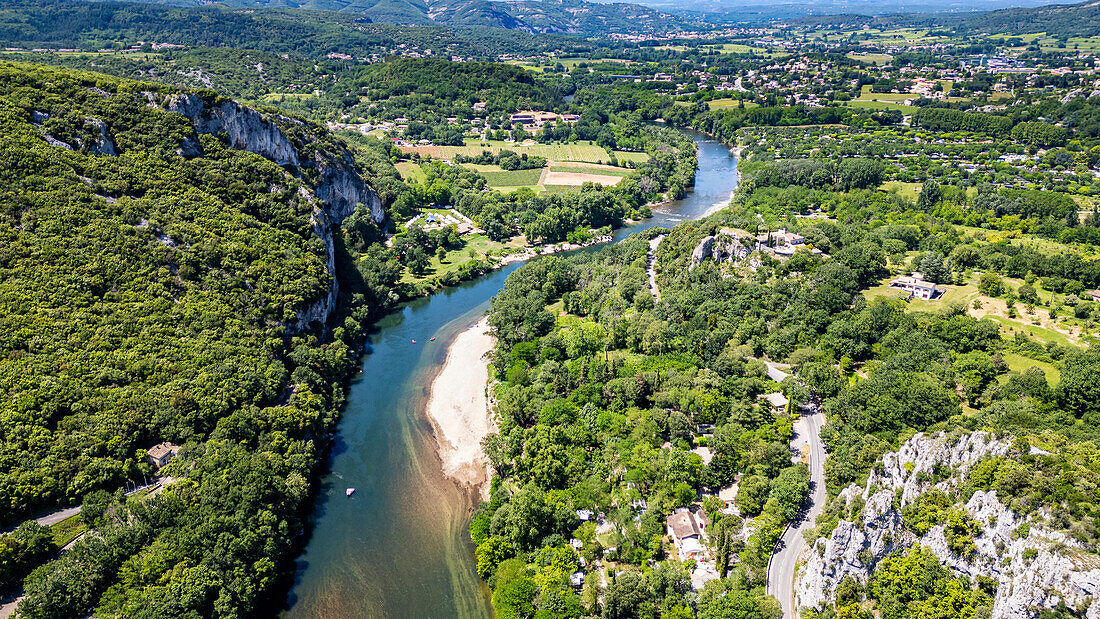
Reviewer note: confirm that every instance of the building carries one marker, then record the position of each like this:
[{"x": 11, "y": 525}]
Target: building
[
  {"x": 1093, "y": 295},
  {"x": 685, "y": 535},
  {"x": 160, "y": 454},
  {"x": 916, "y": 286},
  {"x": 777, "y": 402}
]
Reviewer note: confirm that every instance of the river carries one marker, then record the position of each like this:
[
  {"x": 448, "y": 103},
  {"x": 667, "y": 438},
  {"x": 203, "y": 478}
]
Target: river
[{"x": 398, "y": 547}]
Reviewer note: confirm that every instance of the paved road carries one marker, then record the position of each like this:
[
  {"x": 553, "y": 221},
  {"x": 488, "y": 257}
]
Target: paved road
[{"x": 781, "y": 567}]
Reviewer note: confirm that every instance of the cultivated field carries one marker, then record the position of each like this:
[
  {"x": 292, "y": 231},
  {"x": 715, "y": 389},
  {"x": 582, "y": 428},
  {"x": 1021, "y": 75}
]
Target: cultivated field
[
  {"x": 576, "y": 179},
  {"x": 587, "y": 152}
]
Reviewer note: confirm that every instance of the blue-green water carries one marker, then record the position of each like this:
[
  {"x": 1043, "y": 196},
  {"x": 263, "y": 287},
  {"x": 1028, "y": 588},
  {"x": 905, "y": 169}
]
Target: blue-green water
[{"x": 398, "y": 547}]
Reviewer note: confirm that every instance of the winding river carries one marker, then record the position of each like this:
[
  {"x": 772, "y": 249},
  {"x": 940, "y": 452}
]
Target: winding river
[{"x": 398, "y": 547}]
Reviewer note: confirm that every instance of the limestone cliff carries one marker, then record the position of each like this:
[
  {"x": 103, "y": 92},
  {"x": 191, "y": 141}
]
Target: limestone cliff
[
  {"x": 1034, "y": 571},
  {"x": 726, "y": 246},
  {"x": 339, "y": 187}
]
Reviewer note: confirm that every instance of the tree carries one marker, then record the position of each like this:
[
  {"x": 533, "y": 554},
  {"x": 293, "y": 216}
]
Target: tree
[
  {"x": 515, "y": 591},
  {"x": 752, "y": 492},
  {"x": 418, "y": 262},
  {"x": 490, "y": 554},
  {"x": 629, "y": 597},
  {"x": 1079, "y": 389},
  {"x": 990, "y": 284},
  {"x": 929, "y": 196}
]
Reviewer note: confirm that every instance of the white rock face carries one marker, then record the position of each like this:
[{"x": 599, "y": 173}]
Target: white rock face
[
  {"x": 340, "y": 189},
  {"x": 722, "y": 248},
  {"x": 1060, "y": 569}
]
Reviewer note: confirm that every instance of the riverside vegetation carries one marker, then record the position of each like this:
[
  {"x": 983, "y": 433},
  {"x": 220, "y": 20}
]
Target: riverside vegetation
[{"x": 165, "y": 280}]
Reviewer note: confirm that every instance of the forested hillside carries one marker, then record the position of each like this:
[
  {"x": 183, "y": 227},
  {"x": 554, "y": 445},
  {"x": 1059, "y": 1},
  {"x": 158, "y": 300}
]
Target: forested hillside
[
  {"x": 153, "y": 282},
  {"x": 534, "y": 16},
  {"x": 96, "y": 25}
]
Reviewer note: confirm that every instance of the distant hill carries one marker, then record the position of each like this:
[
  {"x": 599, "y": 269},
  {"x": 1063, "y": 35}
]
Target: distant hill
[
  {"x": 94, "y": 25},
  {"x": 1080, "y": 20},
  {"x": 1069, "y": 20},
  {"x": 534, "y": 16}
]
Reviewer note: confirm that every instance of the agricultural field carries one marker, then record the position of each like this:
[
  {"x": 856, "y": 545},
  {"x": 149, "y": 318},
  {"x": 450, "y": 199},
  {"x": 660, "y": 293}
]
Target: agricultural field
[
  {"x": 506, "y": 180},
  {"x": 587, "y": 152},
  {"x": 727, "y": 104},
  {"x": 875, "y": 59}
]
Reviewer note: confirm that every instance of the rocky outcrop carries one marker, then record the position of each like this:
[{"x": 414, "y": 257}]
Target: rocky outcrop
[
  {"x": 245, "y": 128},
  {"x": 1033, "y": 572},
  {"x": 340, "y": 187},
  {"x": 726, "y": 246},
  {"x": 103, "y": 144}
]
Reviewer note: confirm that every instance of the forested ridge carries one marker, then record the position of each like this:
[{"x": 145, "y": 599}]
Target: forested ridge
[
  {"x": 604, "y": 397},
  {"x": 146, "y": 297},
  {"x": 313, "y": 34}
]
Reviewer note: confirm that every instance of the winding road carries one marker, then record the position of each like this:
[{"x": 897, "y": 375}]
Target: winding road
[{"x": 807, "y": 431}]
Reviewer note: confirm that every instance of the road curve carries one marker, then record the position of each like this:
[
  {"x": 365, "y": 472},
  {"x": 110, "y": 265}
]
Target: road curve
[{"x": 781, "y": 566}]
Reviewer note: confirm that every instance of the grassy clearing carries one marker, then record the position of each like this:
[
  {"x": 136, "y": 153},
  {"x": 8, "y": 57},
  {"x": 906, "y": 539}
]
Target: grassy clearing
[
  {"x": 729, "y": 104},
  {"x": 477, "y": 247},
  {"x": 498, "y": 177},
  {"x": 875, "y": 59},
  {"x": 882, "y": 105},
  {"x": 67, "y": 530},
  {"x": 1018, "y": 363},
  {"x": 909, "y": 190},
  {"x": 410, "y": 171},
  {"x": 952, "y": 294},
  {"x": 1035, "y": 332}
]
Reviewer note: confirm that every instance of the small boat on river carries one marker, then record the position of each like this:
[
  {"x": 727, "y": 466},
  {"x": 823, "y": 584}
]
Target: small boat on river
[{"x": 349, "y": 492}]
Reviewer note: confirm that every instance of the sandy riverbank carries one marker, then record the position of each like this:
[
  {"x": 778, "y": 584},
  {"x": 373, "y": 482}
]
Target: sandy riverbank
[{"x": 459, "y": 409}]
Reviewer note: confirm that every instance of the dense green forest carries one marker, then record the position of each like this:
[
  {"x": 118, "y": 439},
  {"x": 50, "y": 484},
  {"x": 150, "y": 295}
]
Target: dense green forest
[
  {"x": 312, "y": 34},
  {"x": 595, "y": 378},
  {"x": 146, "y": 298}
]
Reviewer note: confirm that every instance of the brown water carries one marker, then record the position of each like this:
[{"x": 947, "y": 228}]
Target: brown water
[{"x": 398, "y": 547}]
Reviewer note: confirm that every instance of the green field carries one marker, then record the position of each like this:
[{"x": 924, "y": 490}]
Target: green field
[
  {"x": 67, "y": 530},
  {"x": 727, "y": 104},
  {"x": 477, "y": 246},
  {"x": 499, "y": 178},
  {"x": 876, "y": 59},
  {"x": 1018, "y": 363},
  {"x": 409, "y": 170},
  {"x": 587, "y": 170},
  {"x": 581, "y": 151},
  {"x": 882, "y": 105},
  {"x": 909, "y": 190}
]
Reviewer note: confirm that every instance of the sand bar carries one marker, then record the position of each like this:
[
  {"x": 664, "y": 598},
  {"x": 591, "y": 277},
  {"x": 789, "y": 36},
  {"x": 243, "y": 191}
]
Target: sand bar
[{"x": 459, "y": 409}]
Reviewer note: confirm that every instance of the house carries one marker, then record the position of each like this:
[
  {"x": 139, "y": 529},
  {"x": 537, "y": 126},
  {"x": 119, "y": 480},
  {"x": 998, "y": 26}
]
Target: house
[
  {"x": 577, "y": 579},
  {"x": 584, "y": 515},
  {"x": 777, "y": 402},
  {"x": 685, "y": 535},
  {"x": 916, "y": 286},
  {"x": 1094, "y": 295},
  {"x": 728, "y": 496},
  {"x": 160, "y": 454}
]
